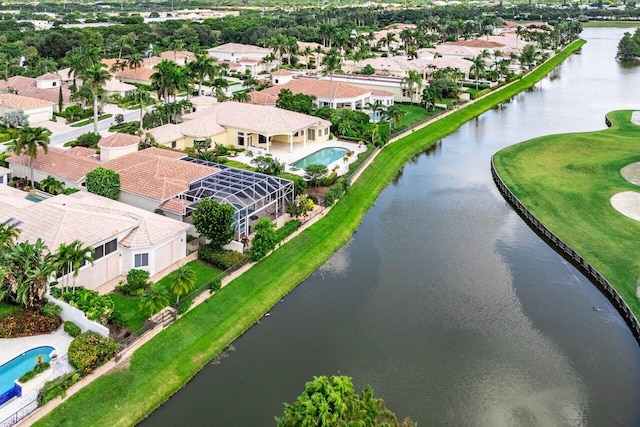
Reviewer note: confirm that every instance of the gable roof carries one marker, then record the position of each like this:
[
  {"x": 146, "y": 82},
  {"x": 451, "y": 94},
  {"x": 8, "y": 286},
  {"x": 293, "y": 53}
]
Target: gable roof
[
  {"x": 20, "y": 102},
  {"x": 118, "y": 140},
  {"x": 48, "y": 76},
  {"x": 71, "y": 165},
  {"x": 238, "y": 48}
]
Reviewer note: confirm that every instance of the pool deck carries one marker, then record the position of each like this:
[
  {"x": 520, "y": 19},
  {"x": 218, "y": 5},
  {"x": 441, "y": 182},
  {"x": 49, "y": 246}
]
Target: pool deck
[{"x": 12, "y": 347}]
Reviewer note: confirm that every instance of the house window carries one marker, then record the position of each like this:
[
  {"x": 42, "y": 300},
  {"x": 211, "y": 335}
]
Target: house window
[
  {"x": 98, "y": 252},
  {"x": 312, "y": 134},
  {"x": 262, "y": 139},
  {"x": 173, "y": 144},
  {"x": 1, "y": 179},
  {"x": 141, "y": 260},
  {"x": 276, "y": 81},
  {"x": 240, "y": 138},
  {"x": 110, "y": 247}
]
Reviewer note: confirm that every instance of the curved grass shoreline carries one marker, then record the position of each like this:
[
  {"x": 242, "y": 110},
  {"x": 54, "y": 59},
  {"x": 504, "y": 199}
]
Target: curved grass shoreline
[
  {"x": 566, "y": 181},
  {"x": 167, "y": 362}
]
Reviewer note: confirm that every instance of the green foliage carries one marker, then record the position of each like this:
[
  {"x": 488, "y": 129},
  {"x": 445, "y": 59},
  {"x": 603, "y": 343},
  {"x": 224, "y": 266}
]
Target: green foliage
[
  {"x": 264, "y": 239},
  {"x": 629, "y": 47},
  {"x": 72, "y": 329},
  {"x": 96, "y": 307},
  {"x": 130, "y": 128},
  {"x": 185, "y": 305},
  {"x": 215, "y": 285},
  {"x": 50, "y": 309},
  {"x": 327, "y": 181},
  {"x": 287, "y": 229},
  {"x": 104, "y": 182},
  {"x": 300, "y": 206},
  {"x": 15, "y": 119},
  {"x": 38, "y": 369},
  {"x": 299, "y": 102},
  {"x": 214, "y": 221},
  {"x": 182, "y": 281},
  {"x": 90, "y": 350},
  {"x": 268, "y": 165},
  {"x": 299, "y": 184},
  {"x": 334, "y": 402},
  {"x": 89, "y": 140},
  {"x": 57, "y": 387},
  {"x": 154, "y": 299},
  {"x": 137, "y": 280},
  {"x": 220, "y": 258},
  {"x": 316, "y": 173},
  {"x": 26, "y": 323}
]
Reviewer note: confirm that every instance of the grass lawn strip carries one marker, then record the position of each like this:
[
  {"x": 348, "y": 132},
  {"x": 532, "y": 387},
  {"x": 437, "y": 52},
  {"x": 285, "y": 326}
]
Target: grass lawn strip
[
  {"x": 567, "y": 181},
  {"x": 162, "y": 366}
]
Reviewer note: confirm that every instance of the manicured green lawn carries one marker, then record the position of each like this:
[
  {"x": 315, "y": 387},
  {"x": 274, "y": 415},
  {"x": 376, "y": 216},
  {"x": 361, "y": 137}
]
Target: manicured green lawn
[
  {"x": 8, "y": 308},
  {"x": 89, "y": 121},
  {"x": 129, "y": 306},
  {"x": 163, "y": 365},
  {"x": 567, "y": 181}
]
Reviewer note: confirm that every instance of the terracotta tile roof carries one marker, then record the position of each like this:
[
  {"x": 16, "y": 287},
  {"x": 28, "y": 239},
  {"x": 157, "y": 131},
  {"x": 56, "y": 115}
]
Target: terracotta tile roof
[
  {"x": 282, "y": 73},
  {"x": 22, "y": 102},
  {"x": 238, "y": 48},
  {"x": 178, "y": 54},
  {"x": 321, "y": 89},
  {"x": 70, "y": 165},
  {"x": 156, "y": 173},
  {"x": 119, "y": 140},
  {"x": 18, "y": 83},
  {"x": 201, "y": 128},
  {"x": 175, "y": 205},
  {"x": 249, "y": 61},
  {"x": 14, "y": 193},
  {"x": 65, "y": 74},
  {"x": 380, "y": 92},
  {"x": 91, "y": 219},
  {"x": 203, "y": 100},
  {"x": 143, "y": 73},
  {"x": 262, "y": 98},
  {"x": 486, "y": 44},
  {"x": 166, "y": 133},
  {"x": 48, "y": 76},
  {"x": 51, "y": 95},
  {"x": 254, "y": 118},
  {"x": 114, "y": 85}
]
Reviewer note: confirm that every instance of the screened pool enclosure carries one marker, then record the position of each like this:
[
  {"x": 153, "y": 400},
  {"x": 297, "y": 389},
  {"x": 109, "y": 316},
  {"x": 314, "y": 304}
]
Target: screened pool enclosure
[{"x": 252, "y": 194}]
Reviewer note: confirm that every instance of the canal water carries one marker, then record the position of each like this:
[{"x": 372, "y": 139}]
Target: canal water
[{"x": 444, "y": 301}]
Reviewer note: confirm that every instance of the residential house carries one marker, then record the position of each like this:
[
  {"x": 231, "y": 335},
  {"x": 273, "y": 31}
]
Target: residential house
[
  {"x": 36, "y": 110},
  {"x": 47, "y": 87}
]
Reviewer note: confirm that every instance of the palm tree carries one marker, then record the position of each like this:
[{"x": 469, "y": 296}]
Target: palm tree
[
  {"x": 307, "y": 52},
  {"x": 395, "y": 114},
  {"x": 331, "y": 63},
  {"x": 182, "y": 281},
  {"x": 51, "y": 185},
  {"x": 70, "y": 258},
  {"x": 161, "y": 80},
  {"x": 413, "y": 82},
  {"x": 154, "y": 299},
  {"x": 28, "y": 268},
  {"x": 29, "y": 141},
  {"x": 279, "y": 46},
  {"x": 134, "y": 62},
  {"x": 203, "y": 67},
  {"x": 8, "y": 235},
  {"x": 241, "y": 96},
  {"x": 141, "y": 97},
  {"x": 478, "y": 68},
  {"x": 95, "y": 77},
  {"x": 389, "y": 38},
  {"x": 291, "y": 47},
  {"x": 375, "y": 134}
]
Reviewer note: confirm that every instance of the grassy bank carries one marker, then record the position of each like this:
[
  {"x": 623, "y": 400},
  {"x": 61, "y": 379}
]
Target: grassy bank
[
  {"x": 566, "y": 181},
  {"x": 166, "y": 363}
]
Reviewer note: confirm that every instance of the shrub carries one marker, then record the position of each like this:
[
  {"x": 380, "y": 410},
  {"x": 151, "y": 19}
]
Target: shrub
[
  {"x": 89, "y": 140},
  {"x": 72, "y": 329},
  {"x": 214, "y": 285},
  {"x": 51, "y": 310},
  {"x": 40, "y": 368},
  {"x": 184, "y": 305},
  {"x": 57, "y": 387},
  {"x": 328, "y": 181},
  {"x": 221, "y": 258},
  {"x": 27, "y": 323},
  {"x": 264, "y": 240},
  {"x": 299, "y": 184},
  {"x": 95, "y": 306},
  {"x": 333, "y": 195},
  {"x": 214, "y": 221},
  {"x": 287, "y": 229},
  {"x": 137, "y": 280},
  {"x": 104, "y": 182},
  {"x": 90, "y": 350}
]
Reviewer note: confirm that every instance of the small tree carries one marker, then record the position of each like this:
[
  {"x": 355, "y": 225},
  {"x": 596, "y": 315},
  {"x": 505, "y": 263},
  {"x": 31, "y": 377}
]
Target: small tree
[
  {"x": 264, "y": 240},
  {"x": 334, "y": 402},
  {"x": 300, "y": 206},
  {"x": 104, "y": 182},
  {"x": 72, "y": 111},
  {"x": 182, "y": 281},
  {"x": 214, "y": 221},
  {"x": 15, "y": 119},
  {"x": 154, "y": 299},
  {"x": 316, "y": 173}
]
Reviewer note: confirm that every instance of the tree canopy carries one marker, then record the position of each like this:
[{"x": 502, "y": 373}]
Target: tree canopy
[
  {"x": 214, "y": 221},
  {"x": 334, "y": 402},
  {"x": 104, "y": 182},
  {"x": 629, "y": 47}
]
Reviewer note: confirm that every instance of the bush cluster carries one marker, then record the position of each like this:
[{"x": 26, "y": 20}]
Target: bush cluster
[
  {"x": 39, "y": 368},
  {"x": 57, "y": 387},
  {"x": 95, "y": 306},
  {"x": 27, "y": 323},
  {"x": 264, "y": 239},
  {"x": 328, "y": 181},
  {"x": 72, "y": 329},
  {"x": 137, "y": 280},
  {"x": 214, "y": 285},
  {"x": 51, "y": 310},
  {"x": 221, "y": 258},
  {"x": 131, "y": 128},
  {"x": 184, "y": 306},
  {"x": 89, "y": 140},
  {"x": 90, "y": 350},
  {"x": 341, "y": 186},
  {"x": 287, "y": 229}
]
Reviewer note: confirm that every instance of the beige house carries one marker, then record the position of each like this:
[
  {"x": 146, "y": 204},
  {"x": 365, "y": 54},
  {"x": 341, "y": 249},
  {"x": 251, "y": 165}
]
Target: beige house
[
  {"x": 36, "y": 110},
  {"x": 244, "y": 126},
  {"x": 47, "y": 87},
  {"x": 123, "y": 237}
]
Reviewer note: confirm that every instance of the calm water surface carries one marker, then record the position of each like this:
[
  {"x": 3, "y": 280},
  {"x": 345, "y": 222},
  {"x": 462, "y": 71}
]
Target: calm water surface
[{"x": 445, "y": 302}]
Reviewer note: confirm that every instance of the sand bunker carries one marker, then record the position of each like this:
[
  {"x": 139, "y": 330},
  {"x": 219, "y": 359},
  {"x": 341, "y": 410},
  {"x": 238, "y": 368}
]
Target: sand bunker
[
  {"x": 635, "y": 118},
  {"x": 627, "y": 203}
]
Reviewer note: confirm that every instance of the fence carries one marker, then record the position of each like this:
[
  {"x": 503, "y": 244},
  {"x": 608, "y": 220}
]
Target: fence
[
  {"x": 21, "y": 413},
  {"x": 569, "y": 254}
]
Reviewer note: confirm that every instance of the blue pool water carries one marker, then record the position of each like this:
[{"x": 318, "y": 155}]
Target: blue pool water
[
  {"x": 325, "y": 156},
  {"x": 17, "y": 367}
]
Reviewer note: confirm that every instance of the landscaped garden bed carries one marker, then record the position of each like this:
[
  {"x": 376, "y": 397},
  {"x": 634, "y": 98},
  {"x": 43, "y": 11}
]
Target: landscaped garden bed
[{"x": 26, "y": 323}]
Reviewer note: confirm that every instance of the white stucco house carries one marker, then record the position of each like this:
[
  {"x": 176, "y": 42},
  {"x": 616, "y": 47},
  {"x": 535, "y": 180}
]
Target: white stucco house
[{"x": 37, "y": 110}]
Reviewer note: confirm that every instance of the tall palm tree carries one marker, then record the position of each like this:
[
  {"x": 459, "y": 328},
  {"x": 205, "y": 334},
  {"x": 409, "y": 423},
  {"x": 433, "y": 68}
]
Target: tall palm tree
[
  {"x": 241, "y": 96},
  {"x": 28, "y": 268},
  {"x": 78, "y": 256},
  {"x": 154, "y": 299},
  {"x": 94, "y": 78},
  {"x": 203, "y": 67},
  {"x": 395, "y": 114},
  {"x": 141, "y": 97},
  {"x": 182, "y": 281},
  {"x": 279, "y": 45},
  {"x": 307, "y": 52},
  {"x": 161, "y": 80},
  {"x": 413, "y": 82},
  {"x": 291, "y": 47},
  {"x": 331, "y": 63},
  {"x": 134, "y": 62},
  {"x": 29, "y": 141}
]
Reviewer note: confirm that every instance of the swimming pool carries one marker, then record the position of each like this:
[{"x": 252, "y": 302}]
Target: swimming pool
[
  {"x": 325, "y": 156},
  {"x": 17, "y": 367}
]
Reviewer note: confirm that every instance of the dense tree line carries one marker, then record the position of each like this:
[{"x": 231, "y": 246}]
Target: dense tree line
[{"x": 629, "y": 47}]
